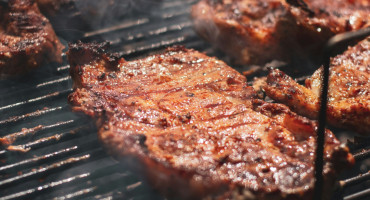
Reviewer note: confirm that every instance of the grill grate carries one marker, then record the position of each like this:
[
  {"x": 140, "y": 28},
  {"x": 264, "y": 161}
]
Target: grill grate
[{"x": 48, "y": 152}]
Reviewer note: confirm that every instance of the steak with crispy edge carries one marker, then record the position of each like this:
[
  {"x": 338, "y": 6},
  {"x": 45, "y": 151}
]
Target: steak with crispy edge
[
  {"x": 195, "y": 127},
  {"x": 27, "y": 39},
  {"x": 257, "y": 32},
  {"x": 349, "y": 90}
]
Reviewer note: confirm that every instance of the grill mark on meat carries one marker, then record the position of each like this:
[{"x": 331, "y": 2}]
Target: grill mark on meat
[
  {"x": 232, "y": 127},
  {"x": 135, "y": 93},
  {"x": 209, "y": 141},
  {"x": 183, "y": 70}
]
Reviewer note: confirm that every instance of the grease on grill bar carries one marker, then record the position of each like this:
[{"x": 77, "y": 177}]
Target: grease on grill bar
[{"x": 64, "y": 158}]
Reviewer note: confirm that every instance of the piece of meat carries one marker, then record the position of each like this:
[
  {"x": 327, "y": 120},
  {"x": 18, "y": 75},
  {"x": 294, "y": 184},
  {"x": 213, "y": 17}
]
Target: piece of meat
[
  {"x": 26, "y": 38},
  {"x": 257, "y": 32},
  {"x": 195, "y": 127},
  {"x": 349, "y": 90}
]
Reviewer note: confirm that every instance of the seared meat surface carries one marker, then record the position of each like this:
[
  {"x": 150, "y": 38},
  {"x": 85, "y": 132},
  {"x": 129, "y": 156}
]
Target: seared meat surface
[
  {"x": 26, "y": 38},
  {"x": 196, "y": 128},
  {"x": 257, "y": 32},
  {"x": 349, "y": 90}
]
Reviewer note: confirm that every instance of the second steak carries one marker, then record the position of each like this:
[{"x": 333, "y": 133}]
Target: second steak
[{"x": 257, "y": 32}]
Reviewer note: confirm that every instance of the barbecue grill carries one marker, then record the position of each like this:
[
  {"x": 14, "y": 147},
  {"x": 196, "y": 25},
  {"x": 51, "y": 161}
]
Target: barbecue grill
[{"x": 49, "y": 152}]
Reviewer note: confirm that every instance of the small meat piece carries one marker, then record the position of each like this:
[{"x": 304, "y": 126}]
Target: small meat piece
[
  {"x": 26, "y": 38},
  {"x": 257, "y": 32},
  {"x": 349, "y": 90},
  {"x": 196, "y": 128}
]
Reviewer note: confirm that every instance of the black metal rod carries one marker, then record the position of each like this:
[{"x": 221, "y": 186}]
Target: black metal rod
[
  {"x": 338, "y": 44},
  {"x": 37, "y": 99},
  {"x": 362, "y": 155},
  {"x": 321, "y": 130},
  {"x": 355, "y": 180},
  {"x": 34, "y": 114},
  {"x": 360, "y": 195}
]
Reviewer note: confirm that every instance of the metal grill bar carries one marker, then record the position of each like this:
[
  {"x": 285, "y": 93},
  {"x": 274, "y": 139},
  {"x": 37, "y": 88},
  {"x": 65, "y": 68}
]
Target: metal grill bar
[
  {"x": 45, "y": 187},
  {"x": 364, "y": 154},
  {"x": 152, "y": 46},
  {"x": 31, "y": 115},
  {"x": 66, "y": 78},
  {"x": 46, "y": 141},
  {"x": 9, "y": 139},
  {"x": 62, "y": 68},
  {"x": 123, "y": 180},
  {"x": 124, "y": 25},
  {"x": 37, "y": 160},
  {"x": 100, "y": 189},
  {"x": 30, "y": 175},
  {"x": 359, "y": 195},
  {"x": 77, "y": 179},
  {"x": 154, "y": 32},
  {"x": 355, "y": 180},
  {"x": 77, "y": 194},
  {"x": 48, "y": 96}
]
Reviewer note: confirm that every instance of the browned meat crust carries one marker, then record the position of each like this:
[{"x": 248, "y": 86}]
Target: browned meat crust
[
  {"x": 349, "y": 90},
  {"x": 26, "y": 38},
  {"x": 196, "y": 128},
  {"x": 257, "y": 32}
]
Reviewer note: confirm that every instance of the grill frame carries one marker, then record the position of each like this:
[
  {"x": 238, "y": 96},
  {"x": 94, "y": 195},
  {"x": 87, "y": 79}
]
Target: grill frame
[{"x": 58, "y": 156}]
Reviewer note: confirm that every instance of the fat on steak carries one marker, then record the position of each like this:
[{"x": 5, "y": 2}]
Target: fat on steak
[
  {"x": 195, "y": 128},
  {"x": 257, "y": 32},
  {"x": 349, "y": 90},
  {"x": 27, "y": 39}
]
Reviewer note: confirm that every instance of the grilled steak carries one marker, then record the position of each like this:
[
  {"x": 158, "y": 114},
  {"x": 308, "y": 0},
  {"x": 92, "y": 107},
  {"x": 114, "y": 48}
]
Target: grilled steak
[
  {"x": 26, "y": 38},
  {"x": 195, "y": 127},
  {"x": 349, "y": 90},
  {"x": 257, "y": 32}
]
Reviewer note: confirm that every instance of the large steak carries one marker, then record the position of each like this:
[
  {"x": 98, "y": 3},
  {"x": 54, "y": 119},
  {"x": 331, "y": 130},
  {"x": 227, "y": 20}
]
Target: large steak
[{"x": 195, "y": 127}]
